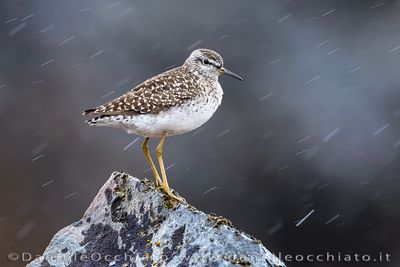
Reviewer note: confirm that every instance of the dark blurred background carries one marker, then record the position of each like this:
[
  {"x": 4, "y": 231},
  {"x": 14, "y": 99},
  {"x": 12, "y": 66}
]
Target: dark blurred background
[{"x": 314, "y": 129}]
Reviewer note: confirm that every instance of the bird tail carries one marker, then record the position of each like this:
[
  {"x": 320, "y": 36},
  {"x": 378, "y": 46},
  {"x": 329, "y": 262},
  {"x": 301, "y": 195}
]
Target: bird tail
[
  {"x": 108, "y": 120},
  {"x": 97, "y": 120},
  {"x": 88, "y": 111}
]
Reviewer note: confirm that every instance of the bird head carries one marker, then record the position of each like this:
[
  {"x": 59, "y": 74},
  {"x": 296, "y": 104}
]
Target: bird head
[{"x": 209, "y": 64}]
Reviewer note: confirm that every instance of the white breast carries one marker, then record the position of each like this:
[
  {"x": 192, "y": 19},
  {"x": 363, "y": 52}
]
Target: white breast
[{"x": 176, "y": 120}]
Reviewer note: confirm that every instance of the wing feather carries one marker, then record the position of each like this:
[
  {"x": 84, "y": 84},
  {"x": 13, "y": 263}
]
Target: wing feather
[{"x": 171, "y": 88}]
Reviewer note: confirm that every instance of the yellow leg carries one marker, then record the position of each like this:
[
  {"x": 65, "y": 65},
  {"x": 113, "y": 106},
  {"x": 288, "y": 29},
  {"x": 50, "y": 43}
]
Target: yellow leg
[
  {"x": 145, "y": 148},
  {"x": 165, "y": 186},
  {"x": 159, "y": 152}
]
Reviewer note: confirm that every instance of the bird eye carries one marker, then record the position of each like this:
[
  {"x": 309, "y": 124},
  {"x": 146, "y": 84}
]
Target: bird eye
[{"x": 206, "y": 61}]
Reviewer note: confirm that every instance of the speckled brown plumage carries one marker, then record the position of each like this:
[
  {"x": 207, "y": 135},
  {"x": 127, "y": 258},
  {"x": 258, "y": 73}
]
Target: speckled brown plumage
[
  {"x": 171, "y": 88},
  {"x": 173, "y": 102}
]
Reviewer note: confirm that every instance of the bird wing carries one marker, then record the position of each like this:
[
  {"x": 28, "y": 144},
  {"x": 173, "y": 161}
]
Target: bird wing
[{"x": 171, "y": 88}]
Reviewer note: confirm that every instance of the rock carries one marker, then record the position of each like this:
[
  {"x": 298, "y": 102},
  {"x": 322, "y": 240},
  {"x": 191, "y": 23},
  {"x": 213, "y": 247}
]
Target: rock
[{"x": 131, "y": 223}]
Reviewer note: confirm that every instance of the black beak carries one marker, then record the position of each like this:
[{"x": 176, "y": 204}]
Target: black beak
[{"x": 230, "y": 73}]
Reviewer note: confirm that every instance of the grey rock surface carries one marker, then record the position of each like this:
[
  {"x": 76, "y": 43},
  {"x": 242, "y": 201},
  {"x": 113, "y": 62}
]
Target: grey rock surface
[{"x": 131, "y": 223}]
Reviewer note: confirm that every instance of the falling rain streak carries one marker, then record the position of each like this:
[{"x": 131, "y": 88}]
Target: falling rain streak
[
  {"x": 331, "y": 135},
  {"x": 304, "y": 218},
  {"x": 381, "y": 129},
  {"x": 131, "y": 143}
]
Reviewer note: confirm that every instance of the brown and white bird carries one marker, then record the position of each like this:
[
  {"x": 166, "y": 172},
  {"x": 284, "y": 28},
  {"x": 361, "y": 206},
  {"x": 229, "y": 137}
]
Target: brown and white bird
[{"x": 174, "y": 102}]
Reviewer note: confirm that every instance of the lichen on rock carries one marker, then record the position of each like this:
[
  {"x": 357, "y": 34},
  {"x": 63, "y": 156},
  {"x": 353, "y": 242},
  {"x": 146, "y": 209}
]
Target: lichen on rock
[{"x": 131, "y": 223}]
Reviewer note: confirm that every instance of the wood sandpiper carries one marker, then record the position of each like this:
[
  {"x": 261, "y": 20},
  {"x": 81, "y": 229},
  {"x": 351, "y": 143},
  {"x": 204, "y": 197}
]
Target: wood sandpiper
[{"x": 174, "y": 102}]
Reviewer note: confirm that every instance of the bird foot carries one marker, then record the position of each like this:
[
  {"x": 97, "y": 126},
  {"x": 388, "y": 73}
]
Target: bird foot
[
  {"x": 177, "y": 198},
  {"x": 171, "y": 196}
]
